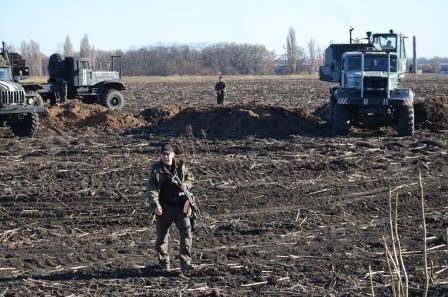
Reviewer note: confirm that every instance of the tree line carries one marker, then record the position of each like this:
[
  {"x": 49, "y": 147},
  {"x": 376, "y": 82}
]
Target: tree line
[{"x": 182, "y": 59}]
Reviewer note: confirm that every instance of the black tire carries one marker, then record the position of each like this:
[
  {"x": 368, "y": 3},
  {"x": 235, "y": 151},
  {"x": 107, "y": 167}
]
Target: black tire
[
  {"x": 26, "y": 126},
  {"x": 405, "y": 121},
  {"x": 38, "y": 101},
  {"x": 112, "y": 99},
  {"x": 341, "y": 120},
  {"x": 55, "y": 67}
]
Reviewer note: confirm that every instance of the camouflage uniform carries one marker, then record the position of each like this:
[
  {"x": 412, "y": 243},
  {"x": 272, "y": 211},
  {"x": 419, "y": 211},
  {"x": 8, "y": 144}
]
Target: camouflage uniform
[
  {"x": 162, "y": 192},
  {"x": 220, "y": 89}
]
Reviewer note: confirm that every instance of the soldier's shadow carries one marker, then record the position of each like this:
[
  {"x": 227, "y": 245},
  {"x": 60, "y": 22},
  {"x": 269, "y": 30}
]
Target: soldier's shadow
[{"x": 149, "y": 271}]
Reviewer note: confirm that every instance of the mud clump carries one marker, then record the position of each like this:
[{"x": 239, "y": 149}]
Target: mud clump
[
  {"x": 240, "y": 121},
  {"x": 432, "y": 113},
  {"x": 79, "y": 115}
]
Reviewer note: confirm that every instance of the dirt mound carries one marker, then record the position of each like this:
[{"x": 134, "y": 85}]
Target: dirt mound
[
  {"x": 78, "y": 115},
  {"x": 322, "y": 112},
  {"x": 159, "y": 114},
  {"x": 432, "y": 113},
  {"x": 238, "y": 121}
]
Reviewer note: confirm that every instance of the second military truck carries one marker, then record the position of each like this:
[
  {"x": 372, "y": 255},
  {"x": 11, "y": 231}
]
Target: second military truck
[{"x": 73, "y": 77}]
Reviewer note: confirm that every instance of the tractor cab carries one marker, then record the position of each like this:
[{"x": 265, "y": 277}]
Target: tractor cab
[
  {"x": 387, "y": 42},
  {"x": 394, "y": 43}
]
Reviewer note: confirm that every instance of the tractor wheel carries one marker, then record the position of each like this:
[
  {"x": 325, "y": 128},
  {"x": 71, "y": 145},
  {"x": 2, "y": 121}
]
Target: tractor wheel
[
  {"x": 341, "y": 120},
  {"x": 112, "y": 99},
  {"x": 26, "y": 126},
  {"x": 330, "y": 119},
  {"x": 405, "y": 121}
]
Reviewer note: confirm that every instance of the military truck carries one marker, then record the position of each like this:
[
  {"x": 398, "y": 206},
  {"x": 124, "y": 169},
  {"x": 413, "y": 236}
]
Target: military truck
[
  {"x": 73, "y": 77},
  {"x": 369, "y": 76},
  {"x": 18, "y": 109}
]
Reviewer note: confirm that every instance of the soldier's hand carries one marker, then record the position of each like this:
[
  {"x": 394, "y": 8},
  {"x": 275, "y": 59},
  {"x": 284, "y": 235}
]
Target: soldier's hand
[
  {"x": 158, "y": 211},
  {"x": 183, "y": 187}
]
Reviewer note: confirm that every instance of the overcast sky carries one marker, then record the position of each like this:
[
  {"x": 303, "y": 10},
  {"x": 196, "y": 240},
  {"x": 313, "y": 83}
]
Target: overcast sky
[{"x": 112, "y": 24}]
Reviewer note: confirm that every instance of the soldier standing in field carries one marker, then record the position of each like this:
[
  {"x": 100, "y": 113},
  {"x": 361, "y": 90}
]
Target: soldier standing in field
[
  {"x": 169, "y": 207},
  {"x": 220, "y": 89}
]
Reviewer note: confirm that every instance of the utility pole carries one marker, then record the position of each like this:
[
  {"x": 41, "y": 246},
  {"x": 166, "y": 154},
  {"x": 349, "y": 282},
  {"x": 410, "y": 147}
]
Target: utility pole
[{"x": 414, "y": 47}]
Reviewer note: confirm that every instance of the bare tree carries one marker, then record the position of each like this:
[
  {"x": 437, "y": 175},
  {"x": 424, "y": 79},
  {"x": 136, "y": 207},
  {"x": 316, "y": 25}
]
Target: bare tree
[
  {"x": 320, "y": 56},
  {"x": 103, "y": 59},
  {"x": 435, "y": 65},
  {"x": 31, "y": 53},
  {"x": 292, "y": 53},
  {"x": 87, "y": 50},
  {"x": 312, "y": 58},
  {"x": 68, "y": 47}
]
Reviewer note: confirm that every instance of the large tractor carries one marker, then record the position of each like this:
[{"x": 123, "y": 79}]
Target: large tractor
[{"x": 369, "y": 76}]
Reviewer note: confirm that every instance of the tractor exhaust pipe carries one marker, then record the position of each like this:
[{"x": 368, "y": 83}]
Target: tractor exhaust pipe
[
  {"x": 369, "y": 37},
  {"x": 350, "y": 31}
]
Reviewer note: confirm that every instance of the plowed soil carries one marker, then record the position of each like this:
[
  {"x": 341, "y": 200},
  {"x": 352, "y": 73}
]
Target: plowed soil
[{"x": 294, "y": 212}]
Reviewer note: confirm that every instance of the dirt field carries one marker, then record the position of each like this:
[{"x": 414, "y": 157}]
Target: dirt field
[{"x": 293, "y": 211}]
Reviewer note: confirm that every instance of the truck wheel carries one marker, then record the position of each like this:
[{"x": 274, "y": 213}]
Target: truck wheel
[
  {"x": 341, "y": 120},
  {"x": 405, "y": 121},
  {"x": 26, "y": 126},
  {"x": 112, "y": 99},
  {"x": 38, "y": 101}
]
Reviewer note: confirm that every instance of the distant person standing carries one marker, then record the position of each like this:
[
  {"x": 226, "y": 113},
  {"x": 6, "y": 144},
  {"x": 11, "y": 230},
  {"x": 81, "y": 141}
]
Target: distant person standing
[{"x": 220, "y": 89}]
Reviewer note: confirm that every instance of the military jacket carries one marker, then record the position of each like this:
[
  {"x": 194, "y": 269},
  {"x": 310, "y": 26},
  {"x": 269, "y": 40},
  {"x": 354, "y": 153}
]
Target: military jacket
[
  {"x": 161, "y": 190},
  {"x": 220, "y": 86}
]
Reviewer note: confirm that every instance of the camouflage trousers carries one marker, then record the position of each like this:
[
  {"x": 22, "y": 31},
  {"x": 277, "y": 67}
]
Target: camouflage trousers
[{"x": 183, "y": 224}]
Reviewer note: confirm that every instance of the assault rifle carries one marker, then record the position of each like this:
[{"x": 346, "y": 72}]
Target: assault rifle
[{"x": 195, "y": 212}]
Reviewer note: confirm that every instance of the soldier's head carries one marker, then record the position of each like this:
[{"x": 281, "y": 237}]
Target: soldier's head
[
  {"x": 220, "y": 78},
  {"x": 167, "y": 154}
]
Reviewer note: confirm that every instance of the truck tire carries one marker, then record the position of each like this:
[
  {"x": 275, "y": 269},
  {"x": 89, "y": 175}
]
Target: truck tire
[
  {"x": 38, "y": 100},
  {"x": 405, "y": 121},
  {"x": 55, "y": 67},
  {"x": 26, "y": 126},
  {"x": 341, "y": 120},
  {"x": 112, "y": 99}
]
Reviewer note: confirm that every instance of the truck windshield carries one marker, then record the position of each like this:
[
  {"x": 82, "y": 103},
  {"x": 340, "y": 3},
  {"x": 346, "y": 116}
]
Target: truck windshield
[
  {"x": 371, "y": 63},
  {"x": 4, "y": 73},
  {"x": 385, "y": 42}
]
